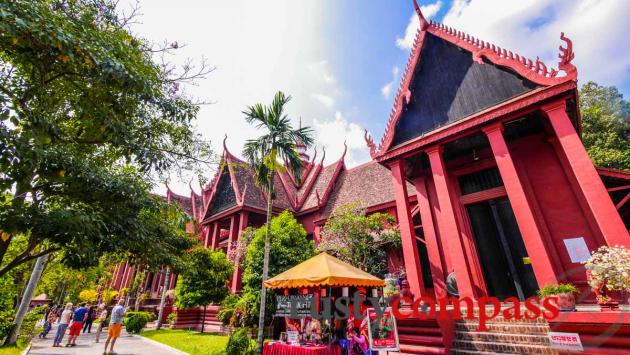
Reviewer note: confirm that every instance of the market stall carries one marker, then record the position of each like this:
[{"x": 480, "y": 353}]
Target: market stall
[{"x": 306, "y": 288}]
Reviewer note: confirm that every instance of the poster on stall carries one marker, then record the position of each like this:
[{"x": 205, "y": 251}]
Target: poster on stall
[
  {"x": 382, "y": 333},
  {"x": 302, "y": 304}
]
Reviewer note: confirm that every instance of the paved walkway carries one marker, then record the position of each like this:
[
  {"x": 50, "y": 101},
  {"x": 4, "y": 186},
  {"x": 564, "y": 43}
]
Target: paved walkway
[{"x": 125, "y": 345}]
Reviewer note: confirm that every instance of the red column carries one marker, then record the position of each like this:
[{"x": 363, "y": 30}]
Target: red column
[
  {"x": 598, "y": 199},
  {"x": 206, "y": 235},
  {"x": 236, "y": 275},
  {"x": 448, "y": 224},
  {"x": 430, "y": 237},
  {"x": 234, "y": 231},
  {"x": 407, "y": 233},
  {"x": 532, "y": 238},
  {"x": 216, "y": 234}
]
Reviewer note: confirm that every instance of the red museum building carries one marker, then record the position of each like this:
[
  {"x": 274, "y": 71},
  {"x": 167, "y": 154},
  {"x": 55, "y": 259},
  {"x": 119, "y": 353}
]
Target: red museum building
[{"x": 483, "y": 166}]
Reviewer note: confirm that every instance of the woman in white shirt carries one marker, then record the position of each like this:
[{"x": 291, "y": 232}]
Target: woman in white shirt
[{"x": 64, "y": 320}]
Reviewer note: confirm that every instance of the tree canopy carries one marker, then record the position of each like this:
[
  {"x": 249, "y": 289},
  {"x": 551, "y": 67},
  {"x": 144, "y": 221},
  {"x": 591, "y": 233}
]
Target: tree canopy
[
  {"x": 87, "y": 119},
  {"x": 359, "y": 239},
  {"x": 288, "y": 247},
  {"x": 205, "y": 278},
  {"x": 605, "y": 125}
]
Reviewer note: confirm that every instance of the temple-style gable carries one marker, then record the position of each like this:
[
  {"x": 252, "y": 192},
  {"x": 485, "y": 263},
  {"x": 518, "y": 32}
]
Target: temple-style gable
[
  {"x": 449, "y": 85},
  {"x": 224, "y": 196},
  {"x": 452, "y": 76}
]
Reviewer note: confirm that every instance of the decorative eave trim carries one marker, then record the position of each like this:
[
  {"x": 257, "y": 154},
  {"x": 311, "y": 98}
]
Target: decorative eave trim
[
  {"x": 613, "y": 173},
  {"x": 536, "y": 72},
  {"x": 506, "y": 108},
  {"x": 341, "y": 164},
  {"x": 308, "y": 187}
]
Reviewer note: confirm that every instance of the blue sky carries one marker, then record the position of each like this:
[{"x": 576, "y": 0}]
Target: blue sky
[{"x": 342, "y": 59}]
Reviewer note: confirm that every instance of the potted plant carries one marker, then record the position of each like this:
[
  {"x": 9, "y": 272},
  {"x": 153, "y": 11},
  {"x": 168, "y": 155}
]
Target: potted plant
[
  {"x": 607, "y": 270},
  {"x": 565, "y": 293}
]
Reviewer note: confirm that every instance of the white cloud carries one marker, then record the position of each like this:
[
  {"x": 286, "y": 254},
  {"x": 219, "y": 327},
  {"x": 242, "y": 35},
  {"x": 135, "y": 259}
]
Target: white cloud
[
  {"x": 598, "y": 30},
  {"x": 320, "y": 70},
  {"x": 386, "y": 90},
  {"x": 325, "y": 100},
  {"x": 406, "y": 42},
  {"x": 331, "y": 133}
]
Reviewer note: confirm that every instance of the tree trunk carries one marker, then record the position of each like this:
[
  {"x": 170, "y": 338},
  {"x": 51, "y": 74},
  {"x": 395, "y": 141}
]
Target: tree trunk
[
  {"x": 26, "y": 298},
  {"x": 62, "y": 294},
  {"x": 139, "y": 291},
  {"x": 130, "y": 288},
  {"x": 167, "y": 281},
  {"x": 263, "y": 290},
  {"x": 203, "y": 320}
]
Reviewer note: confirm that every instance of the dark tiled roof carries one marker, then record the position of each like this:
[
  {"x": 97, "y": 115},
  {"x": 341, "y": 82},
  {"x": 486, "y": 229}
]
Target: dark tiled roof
[
  {"x": 369, "y": 184},
  {"x": 324, "y": 179}
]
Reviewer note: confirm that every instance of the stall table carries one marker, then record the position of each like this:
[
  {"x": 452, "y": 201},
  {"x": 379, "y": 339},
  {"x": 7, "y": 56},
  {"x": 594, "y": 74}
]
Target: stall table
[{"x": 288, "y": 349}]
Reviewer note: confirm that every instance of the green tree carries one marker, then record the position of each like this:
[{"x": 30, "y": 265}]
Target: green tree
[
  {"x": 204, "y": 279},
  {"x": 262, "y": 154},
  {"x": 87, "y": 118},
  {"x": 357, "y": 238},
  {"x": 605, "y": 125},
  {"x": 289, "y": 246}
]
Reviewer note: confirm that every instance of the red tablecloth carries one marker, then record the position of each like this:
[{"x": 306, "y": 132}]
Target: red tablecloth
[{"x": 286, "y": 349}]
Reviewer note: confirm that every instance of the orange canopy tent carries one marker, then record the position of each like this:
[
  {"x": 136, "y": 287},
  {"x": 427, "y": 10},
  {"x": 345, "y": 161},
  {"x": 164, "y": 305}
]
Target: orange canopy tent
[{"x": 323, "y": 270}]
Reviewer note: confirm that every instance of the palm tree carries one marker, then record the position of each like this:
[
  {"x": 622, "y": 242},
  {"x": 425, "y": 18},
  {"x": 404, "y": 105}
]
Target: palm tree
[{"x": 262, "y": 154}]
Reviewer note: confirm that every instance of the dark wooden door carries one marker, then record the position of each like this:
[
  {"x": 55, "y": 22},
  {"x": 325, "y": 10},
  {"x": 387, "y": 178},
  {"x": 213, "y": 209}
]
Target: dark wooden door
[{"x": 501, "y": 250}]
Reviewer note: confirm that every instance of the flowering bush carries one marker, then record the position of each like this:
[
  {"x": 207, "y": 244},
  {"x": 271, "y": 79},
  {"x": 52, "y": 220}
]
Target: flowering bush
[
  {"x": 236, "y": 254},
  {"x": 609, "y": 268},
  {"x": 88, "y": 296}
]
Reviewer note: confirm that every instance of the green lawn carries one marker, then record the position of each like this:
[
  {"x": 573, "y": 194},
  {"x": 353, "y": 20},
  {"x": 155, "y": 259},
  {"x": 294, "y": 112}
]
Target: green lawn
[
  {"x": 10, "y": 350},
  {"x": 188, "y": 341}
]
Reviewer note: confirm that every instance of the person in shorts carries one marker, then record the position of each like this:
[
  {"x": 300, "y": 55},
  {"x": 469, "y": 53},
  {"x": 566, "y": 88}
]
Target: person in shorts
[
  {"x": 102, "y": 316},
  {"x": 80, "y": 315},
  {"x": 64, "y": 319},
  {"x": 115, "y": 326}
]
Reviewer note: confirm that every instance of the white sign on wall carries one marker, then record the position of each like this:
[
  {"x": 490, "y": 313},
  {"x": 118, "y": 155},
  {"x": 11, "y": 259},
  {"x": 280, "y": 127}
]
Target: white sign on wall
[
  {"x": 578, "y": 251},
  {"x": 565, "y": 341}
]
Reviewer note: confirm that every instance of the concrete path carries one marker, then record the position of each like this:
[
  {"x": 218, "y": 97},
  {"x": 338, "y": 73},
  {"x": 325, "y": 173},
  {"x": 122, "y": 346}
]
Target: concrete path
[{"x": 125, "y": 345}]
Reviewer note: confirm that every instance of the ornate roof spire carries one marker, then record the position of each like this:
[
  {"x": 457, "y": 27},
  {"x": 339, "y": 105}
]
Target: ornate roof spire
[{"x": 423, "y": 21}]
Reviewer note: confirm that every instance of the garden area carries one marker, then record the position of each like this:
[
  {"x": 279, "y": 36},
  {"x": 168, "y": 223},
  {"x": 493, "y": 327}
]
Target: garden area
[{"x": 189, "y": 341}]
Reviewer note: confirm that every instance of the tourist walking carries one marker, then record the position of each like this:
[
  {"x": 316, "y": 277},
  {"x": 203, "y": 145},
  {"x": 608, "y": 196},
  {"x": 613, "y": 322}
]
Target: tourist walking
[
  {"x": 64, "y": 320},
  {"x": 90, "y": 318},
  {"x": 50, "y": 319},
  {"x": 102, "y": 317},
  {"x": 115, "y": 325},
  {"x": 80, "y": 314}
]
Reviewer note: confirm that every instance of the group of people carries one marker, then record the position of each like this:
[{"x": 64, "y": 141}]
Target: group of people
[{"x": 77, "y": 319}]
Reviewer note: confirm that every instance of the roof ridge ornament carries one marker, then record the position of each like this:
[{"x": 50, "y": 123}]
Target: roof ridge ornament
[
  {"x": 423, "y": 21},
  {"x": 535, "y": 71}
]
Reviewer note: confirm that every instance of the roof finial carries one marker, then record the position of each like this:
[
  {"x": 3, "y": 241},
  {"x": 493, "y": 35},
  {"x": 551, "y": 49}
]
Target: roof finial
[{"x": 423, "y": 21}]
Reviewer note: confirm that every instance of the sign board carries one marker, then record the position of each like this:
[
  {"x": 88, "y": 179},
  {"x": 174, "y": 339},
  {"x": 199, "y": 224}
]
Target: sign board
[
  {"x": 302, "y": 304},
  {"x": 382, "y": 333},
  {"x": 565, "y": 341},
  {"x": 577, "y": 249},
  {"x": 292, "y": 336}
]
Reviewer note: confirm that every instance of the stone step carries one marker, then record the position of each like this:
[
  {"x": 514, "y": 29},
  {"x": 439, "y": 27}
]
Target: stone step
[
  {"x": 419, "y": 349},
  {"x": 501, "y": 319},
  {"x": 510, "y": 328},
  {"x": 518, "y": 338},
  {"x": 404, "y": 329},
  {"x": 474, "y": 352},
  {"x": 413, "y": 339},
  {"x": 502, "y": 347}
]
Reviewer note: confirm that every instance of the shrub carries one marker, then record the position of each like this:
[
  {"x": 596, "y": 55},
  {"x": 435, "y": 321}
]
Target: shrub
[
  {"x": 239, "y": 343},
  {"x": 556, "y": 289},
  {"x": 135, "y": 321},
  {"x": 28, "y": 329},
  {"x": 87, "y": 296},
  {"x": 171, "y": 318},
  {"x": 109, "y": 295},
  {"x": 6, "y": 323},
  {"x": 227, "y": 309}
]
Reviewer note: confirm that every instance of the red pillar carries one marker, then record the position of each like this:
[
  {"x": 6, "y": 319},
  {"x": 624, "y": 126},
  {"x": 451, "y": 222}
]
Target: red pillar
[
  {"x": 407, "y": 233},
  {"x": 430, "y": 237},
  {"x": 234, "y": 231},
  {"x": 216, "y": 234},
  {"x": 236, "y": 275},
  {"x": 532, "y": 238},
  {"x": 598, "y": 199},
  {"x": 448, "y": 224},
  {"x": 206, "y": 235}
]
